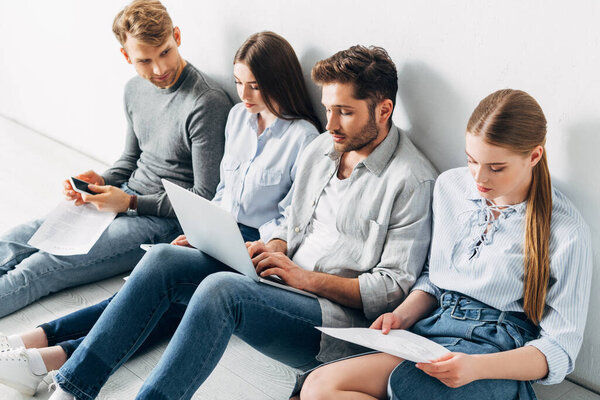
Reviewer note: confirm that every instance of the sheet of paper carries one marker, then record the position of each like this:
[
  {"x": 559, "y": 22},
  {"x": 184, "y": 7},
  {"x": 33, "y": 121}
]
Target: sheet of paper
[
  {"x": 398, "y": 342},
  {"x": 70, "y": 230}
]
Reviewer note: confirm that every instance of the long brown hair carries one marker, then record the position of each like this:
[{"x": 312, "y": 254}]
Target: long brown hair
[
  {"x": 275, "y": 66},
  {"x": 513, "y": 119}
]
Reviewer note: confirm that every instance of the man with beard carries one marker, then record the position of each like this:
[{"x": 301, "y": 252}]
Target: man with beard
[
  {"x": 176, "y": 120},
  {"x": 356, "y": 234}
]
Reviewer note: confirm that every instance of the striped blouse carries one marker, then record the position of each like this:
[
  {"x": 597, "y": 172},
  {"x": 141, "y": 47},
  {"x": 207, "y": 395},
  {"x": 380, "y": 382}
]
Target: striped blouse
[{"x": 489, "y": 267}]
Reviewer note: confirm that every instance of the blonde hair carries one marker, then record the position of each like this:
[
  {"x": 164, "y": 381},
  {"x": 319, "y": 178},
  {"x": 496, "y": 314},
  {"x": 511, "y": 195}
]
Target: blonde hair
[
  {"x": 513, "y": 119},
  {"x": 145, "y": 20}
]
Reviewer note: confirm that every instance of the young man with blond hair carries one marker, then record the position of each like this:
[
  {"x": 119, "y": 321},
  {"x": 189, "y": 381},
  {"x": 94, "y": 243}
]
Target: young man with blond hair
[{"x": 175, "y": 130}]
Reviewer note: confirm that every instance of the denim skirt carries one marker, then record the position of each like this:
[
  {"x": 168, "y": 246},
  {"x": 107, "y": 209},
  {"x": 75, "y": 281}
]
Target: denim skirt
[{"x": 462, "y": 324}]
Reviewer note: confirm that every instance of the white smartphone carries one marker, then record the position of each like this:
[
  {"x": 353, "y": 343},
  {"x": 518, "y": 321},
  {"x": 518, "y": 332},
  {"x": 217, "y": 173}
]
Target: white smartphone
[
  {"x": 146, "y": 246},
  {"x": 80, "y": 186}
]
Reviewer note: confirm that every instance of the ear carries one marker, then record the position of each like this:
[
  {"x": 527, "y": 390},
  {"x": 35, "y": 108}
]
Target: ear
[
  {"x": 536, "y": 156},
  {"x": 126, "y": 55},
  {"x": 177, "y": 35},
  {"x": 384, "y": 111}
]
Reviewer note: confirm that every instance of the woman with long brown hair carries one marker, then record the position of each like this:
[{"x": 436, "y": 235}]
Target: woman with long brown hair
[{"x": 507, "y": 283}]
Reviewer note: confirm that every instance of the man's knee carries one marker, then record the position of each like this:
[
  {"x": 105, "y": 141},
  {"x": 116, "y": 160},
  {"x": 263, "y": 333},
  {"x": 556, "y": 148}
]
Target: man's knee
[
  {"x": 155, "y": 260},
  {"x": 224, "y": 283},
  {"x": 224, "y": 289}
]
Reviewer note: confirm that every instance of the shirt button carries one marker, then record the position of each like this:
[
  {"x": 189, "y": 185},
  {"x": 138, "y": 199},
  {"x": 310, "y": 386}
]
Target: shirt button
[
  {"x": 313, "y": 203},
  {"x": 297, "y": 229}
]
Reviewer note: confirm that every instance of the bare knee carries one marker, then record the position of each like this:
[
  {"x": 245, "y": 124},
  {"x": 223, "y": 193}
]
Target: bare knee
[{"x": 319, "y": 385}]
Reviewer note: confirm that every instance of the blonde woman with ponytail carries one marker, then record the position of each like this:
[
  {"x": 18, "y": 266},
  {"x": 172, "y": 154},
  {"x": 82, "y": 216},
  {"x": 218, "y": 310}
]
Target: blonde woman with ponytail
[{"x": 507, "y": 282}]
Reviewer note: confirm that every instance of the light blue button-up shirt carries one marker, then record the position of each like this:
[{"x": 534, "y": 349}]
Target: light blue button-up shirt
[
  {"x": 384, "y": 226},
  {"x": 489, "y": 267},
  {"x": 257, "y": 171}
]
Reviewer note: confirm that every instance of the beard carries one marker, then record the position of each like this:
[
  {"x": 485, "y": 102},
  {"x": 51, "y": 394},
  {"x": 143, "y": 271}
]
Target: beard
[
  {"x": 173, "y": 79},
  {"x": 366, "y": 135}
]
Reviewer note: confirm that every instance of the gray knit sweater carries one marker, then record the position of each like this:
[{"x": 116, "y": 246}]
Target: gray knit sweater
[{"x": 176, "y": 134}]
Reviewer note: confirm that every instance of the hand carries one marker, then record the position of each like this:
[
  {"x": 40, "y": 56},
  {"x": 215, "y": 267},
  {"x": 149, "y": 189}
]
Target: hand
[
  {"x": 256, "y": 248},
  {"x": 276, "y": 263},
  {"x": 388, "y": 321},
  {"x": 88, "y": 176},
  {"x": 109, "y": 198},
  {"x": 273, "y": 246},
  {"x": 453, "y": 369},
  {"x": 181, "y": 240}
]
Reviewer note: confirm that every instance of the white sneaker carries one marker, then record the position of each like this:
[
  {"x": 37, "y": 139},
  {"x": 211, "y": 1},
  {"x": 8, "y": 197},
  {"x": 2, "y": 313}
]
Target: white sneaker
[
  {"x": 4, "y": 343},
  {"x": 59, "y": 394},
  {"x": 15, "y": 372}
]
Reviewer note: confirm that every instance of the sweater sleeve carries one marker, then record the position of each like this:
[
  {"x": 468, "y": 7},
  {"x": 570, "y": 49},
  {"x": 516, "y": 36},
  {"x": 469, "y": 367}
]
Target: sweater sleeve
[{"x": 205, "y": 125}]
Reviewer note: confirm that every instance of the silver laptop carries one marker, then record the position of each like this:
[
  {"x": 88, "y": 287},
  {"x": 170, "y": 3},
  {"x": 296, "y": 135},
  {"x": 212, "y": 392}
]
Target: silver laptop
[{"x": 214, "y": 231}]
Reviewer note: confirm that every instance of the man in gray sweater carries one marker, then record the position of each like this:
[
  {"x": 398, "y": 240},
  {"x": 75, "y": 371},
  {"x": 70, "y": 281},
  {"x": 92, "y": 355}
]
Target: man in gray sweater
[{"x": 176, "y": 119}]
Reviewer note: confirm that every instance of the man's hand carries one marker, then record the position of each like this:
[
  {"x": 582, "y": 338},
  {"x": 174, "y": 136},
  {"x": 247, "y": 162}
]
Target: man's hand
[
  {"x": 259, "y": 247},
  {"x": 387, "y": 322},
  {"x": 276, "y": 263},
  {"x": 88, "y": 176},
  {"x": 181, "y": 240},
  {"x": 453, "y": 369},
  {"x": 109, "y": 198}
]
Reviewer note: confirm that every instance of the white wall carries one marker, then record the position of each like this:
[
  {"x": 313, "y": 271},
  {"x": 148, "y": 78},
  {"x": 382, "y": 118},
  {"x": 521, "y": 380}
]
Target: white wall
[{"x": 61, "y": 73}]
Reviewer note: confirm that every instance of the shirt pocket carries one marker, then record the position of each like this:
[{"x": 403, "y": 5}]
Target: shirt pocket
[
  {"x": 367, "y": 246},
  {"x": 268, "y": 177}
]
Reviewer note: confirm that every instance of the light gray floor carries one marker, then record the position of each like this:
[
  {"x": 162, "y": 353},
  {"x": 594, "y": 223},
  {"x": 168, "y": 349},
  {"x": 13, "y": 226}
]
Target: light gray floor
[{"x": 31, "y": 171}]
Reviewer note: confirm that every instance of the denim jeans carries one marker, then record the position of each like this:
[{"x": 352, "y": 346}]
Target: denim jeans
[
  {"x": 69, "y": 331},
  {"x": 27, "y": 274},
  {"x": 278, "y": 323},
  {"x": 462, "y": 324}
]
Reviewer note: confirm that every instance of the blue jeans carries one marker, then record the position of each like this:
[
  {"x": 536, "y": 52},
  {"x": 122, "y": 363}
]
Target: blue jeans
[
  {"x": 462, "y": 324},
  {"x": 69, "y": 331},
  {"x": 27, "y": 274},
  {"x": 278, "y": 323}
]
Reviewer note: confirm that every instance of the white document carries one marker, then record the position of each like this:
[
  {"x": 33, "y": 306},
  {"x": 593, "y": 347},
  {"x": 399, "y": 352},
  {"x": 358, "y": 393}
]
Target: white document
[
  {"x": 71, "y": 229},
  {"x": 398, "y": 342}
]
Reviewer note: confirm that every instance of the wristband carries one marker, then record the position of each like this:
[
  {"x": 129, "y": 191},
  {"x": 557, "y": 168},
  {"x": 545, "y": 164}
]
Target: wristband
[{"x": 132, "y": 208}]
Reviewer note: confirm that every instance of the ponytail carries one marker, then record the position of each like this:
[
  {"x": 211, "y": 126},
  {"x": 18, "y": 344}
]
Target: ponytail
[{"x": 537, "y": 238}]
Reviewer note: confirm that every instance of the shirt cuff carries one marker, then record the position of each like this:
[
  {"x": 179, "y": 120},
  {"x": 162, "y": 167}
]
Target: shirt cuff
[
  {"x": 278, "y": 233},
  {"x": 423, "y": 283},
  {"x": 266, "y": 231},
  {"x": 559, "y": 362},
  {"x": 376, "y": 297}
]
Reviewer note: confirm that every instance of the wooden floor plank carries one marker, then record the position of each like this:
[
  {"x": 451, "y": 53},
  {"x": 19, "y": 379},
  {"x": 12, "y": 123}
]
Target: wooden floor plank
[{"x": 272, "y": 377}]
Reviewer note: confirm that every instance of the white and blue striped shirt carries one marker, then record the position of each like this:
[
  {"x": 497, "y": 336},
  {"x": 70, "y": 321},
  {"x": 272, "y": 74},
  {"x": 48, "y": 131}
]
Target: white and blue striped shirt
[
  {"x": 257, "y": 171},
  {"x": 489, "y": 267}
]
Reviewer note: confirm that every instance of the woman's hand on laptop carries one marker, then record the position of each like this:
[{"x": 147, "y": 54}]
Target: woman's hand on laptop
[{"x": 181, "y": 240}]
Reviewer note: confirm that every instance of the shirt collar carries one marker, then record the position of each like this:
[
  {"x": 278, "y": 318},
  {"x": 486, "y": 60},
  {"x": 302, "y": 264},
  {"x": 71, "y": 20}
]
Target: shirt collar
[
  {"x": 380, "y": 156},
  {"x": 277, "y": 128}
]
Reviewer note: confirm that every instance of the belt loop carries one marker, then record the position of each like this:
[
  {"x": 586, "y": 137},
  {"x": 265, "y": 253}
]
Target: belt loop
[{"x": 501, "y": 317}]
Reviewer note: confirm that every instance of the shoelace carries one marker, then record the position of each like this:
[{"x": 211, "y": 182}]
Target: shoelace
[
  {"x": 49, "y": 380},
  {"x": 18, "y": 355},
  {"x": 483, "y": 216},
  {"x": 4, "y": 343}
]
